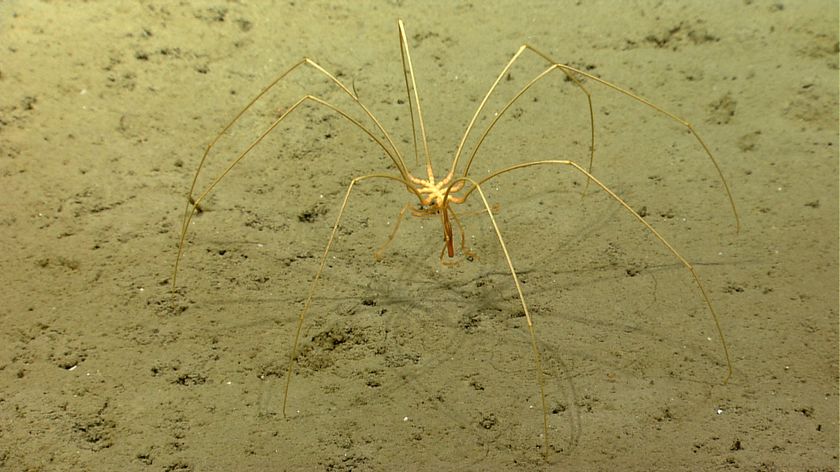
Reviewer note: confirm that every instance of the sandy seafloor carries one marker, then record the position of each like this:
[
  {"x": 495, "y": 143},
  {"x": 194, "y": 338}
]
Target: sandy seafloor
[{"x": 407, "y": 364}]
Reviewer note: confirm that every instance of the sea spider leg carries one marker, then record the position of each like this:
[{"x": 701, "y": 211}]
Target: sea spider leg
[
  {"x": 378, "y": 255},
  {"x": 408, "y": 82},
  {"x": 573, "y": 73},
  {"x": 531, "y": 331},
  {"x": 688, "y": 126},
  {"x": 314, "y": 284},
  {"x": 490, "y": 91},
  {"x": 393, "y": 153},
  {"x": 647, "y": 225},
  {"x": 194, "y": 201},
  {"x": 406, "y": 59}
]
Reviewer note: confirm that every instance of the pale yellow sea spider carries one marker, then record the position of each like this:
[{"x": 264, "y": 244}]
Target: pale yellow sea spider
[{"x": 435, "y": 197}]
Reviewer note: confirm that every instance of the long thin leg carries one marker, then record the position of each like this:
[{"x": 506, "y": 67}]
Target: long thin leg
[
  {"x": 233, "y": 121},
  {"x": 492, "y": 89},
  {"x": 498, "y": 115},
  {"x": 378, "y": 254},
  {"x": 688, "y": 126},
  {"x": 303, "y": 62},
  {"x": 314, "y": 284},
  {"x": 534, "y": 347},
  {"x": 406, "y": 57},
  {"x": 194, "y": 202},
  {"x": 408, "y": 83},
  {"x": 647, "y": 225},
  {"x": 573, "y": 73}
]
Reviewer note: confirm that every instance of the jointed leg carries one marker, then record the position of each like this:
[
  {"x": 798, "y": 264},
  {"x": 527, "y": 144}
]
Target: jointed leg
[
  {"x": 516, "y": 97},
  {"x": 534, "y": 347},
  {"x": 314, "y": 284},
  {"x": 688, "y": 126},
  {"x": 647, "y": 225},
  {"x": 573, "y": 74},
  {"x": 194, "y": 201},
  {"x": 378, "y": 255}
]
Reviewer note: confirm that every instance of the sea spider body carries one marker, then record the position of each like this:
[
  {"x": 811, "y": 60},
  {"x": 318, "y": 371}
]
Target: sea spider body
[{"x": 435, "y": 198}]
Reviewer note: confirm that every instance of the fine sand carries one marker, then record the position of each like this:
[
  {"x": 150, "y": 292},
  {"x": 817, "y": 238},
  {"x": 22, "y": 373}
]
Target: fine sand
[{"x": 406, "y": 363}]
